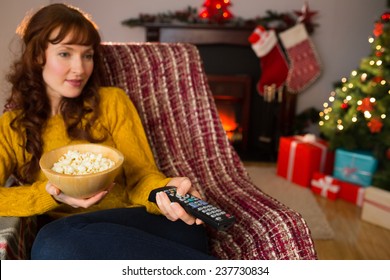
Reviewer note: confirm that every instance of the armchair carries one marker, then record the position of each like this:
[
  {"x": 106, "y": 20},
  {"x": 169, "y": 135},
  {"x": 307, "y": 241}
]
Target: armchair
[{"x": 168, "y": 85}]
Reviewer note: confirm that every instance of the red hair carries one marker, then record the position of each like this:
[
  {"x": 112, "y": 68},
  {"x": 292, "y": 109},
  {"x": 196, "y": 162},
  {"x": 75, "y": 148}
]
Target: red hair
[{"x": 28, "y": 94}]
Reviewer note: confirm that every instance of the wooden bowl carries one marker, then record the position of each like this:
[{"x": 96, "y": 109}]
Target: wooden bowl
[{"x": 87, "y": 185}]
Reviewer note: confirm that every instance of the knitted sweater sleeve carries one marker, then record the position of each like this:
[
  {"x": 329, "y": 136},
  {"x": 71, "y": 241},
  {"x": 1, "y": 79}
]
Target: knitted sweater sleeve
[
  {"x": 24, "y": 200},
  {"x": 126, "y": 129}
]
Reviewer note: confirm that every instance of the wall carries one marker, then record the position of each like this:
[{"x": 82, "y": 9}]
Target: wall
[
  {"x": 11, "y": 13},
  {"x": 340, "y": 40}
]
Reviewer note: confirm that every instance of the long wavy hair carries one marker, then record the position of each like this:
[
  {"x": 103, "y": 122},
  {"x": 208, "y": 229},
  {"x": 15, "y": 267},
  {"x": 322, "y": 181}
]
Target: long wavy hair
[{"x": 28, "y": 94}]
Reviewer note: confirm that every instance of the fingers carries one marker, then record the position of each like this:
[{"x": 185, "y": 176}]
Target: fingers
[
  {"x": 85, "y": 203},
  {"x": 52, "y": 190},
  {"x": 76, "y": 202},
  {"x": 164, "y": 204},
  {"x": 172, "y": 210},
  {"x": 183, "y": 184}
]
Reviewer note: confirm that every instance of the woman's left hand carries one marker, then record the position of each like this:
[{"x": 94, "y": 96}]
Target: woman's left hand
[
  {"x": 76, "y": 202},
  {"x": 173, "y": 210}
]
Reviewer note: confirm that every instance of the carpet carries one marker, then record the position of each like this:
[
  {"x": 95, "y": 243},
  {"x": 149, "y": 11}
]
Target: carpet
[{"x": 294, "y": 196}]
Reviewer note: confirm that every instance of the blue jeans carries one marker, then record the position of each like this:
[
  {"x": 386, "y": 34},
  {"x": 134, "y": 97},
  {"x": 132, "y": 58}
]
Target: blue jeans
[{"x": 120, "y": 234}]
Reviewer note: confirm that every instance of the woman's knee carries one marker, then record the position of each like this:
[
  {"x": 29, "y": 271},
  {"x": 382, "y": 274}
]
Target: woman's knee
[{"x": 55, "y": 240}]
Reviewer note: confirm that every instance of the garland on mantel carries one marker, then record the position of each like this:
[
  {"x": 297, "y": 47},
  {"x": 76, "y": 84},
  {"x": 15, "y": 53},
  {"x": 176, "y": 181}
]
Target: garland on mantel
[{"x": 272, "y": 20}]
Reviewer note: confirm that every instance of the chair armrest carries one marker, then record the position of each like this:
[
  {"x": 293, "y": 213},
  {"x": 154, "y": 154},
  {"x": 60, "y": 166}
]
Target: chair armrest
[
  {"x": 16, "y": 237},
  {"x": 265, "y": 228}
]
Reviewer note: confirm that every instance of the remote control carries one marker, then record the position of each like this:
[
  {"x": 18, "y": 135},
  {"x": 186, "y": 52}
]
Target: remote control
[{"x": 197, "y": 207}]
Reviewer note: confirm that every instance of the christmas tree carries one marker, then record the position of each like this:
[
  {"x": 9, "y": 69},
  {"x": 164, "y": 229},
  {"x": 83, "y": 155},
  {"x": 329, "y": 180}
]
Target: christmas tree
[
  {"x": 216, "y": 10},
  {"x": 357, "y": 115}
]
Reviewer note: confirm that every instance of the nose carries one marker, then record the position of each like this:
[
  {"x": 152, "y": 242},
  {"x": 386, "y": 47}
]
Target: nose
[{"x": 78, "y": 66}]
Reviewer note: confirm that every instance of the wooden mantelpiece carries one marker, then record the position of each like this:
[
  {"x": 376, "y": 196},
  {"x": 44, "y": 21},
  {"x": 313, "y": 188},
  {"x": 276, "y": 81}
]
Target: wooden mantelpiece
[{"x": 198, "y": 34}]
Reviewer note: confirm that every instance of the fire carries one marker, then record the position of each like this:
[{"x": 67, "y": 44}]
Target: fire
[{"x": 229, "y": 123}]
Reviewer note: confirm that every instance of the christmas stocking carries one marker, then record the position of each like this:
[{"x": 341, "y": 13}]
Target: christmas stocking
[
  {"x": 304, "y": 63},
  {"x": 274, "y": 67}
]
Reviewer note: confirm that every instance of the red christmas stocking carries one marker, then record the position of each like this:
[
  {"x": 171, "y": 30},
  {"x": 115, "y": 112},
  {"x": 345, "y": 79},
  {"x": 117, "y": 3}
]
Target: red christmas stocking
[
  {"x": 304, "y": 63},
  {"x": 274, "y": 67}
]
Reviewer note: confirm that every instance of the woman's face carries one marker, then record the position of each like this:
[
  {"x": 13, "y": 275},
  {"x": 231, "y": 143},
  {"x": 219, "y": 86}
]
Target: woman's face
[{"x": 67, "y": 70}]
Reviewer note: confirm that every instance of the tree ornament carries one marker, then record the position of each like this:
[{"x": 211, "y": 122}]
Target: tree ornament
[
  {"x": 378, "y": 53},
  {"x": 375, "y": 125},
  {"x": 366, "y": 105},
  {"x": 377, "y": 79},
  {"x": 344, "y": 106},
  {"x": 378, "y": 29},
  {"x": 386, "y": 17}
]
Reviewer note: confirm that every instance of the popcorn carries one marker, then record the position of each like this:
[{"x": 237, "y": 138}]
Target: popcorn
[{"x": 76, "y": 163}]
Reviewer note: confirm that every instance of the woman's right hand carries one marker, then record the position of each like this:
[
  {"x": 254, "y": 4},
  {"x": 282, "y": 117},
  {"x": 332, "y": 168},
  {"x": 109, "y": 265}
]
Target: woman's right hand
[{"x": 76, "y": 202}]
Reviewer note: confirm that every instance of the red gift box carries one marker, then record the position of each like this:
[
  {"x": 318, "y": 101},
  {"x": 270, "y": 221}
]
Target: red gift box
[
  {"x": 300, "y": 156},
  {"x": 325, "y": 185},
  {"x": 351, "y": 192}
]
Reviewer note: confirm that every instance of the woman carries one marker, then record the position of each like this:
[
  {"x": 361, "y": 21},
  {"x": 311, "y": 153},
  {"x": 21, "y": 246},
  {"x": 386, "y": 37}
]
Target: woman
[{"x": 57, "y": 100}]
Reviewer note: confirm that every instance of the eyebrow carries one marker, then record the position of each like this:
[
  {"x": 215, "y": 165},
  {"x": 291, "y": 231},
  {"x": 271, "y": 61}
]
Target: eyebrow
[{"x": 69, "y": 46}]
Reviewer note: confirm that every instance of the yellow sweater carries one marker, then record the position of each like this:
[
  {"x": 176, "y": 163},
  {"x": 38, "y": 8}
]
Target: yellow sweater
[{"x": 119, "y": 119}]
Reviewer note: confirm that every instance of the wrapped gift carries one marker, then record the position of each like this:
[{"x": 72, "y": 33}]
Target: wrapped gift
[
  {"x": 300, "y": 156},
  {"x": 325, "y": 185},
  {"x": 351, "y": 192},
  {"x": 376, "y": 207},
  {"x": 354, "y": 166}
]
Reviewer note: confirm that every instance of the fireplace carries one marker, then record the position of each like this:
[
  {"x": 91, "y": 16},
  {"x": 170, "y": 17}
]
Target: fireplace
[
  {"x": 252, "y": 124},
  {"x": 232, "y": 98}
]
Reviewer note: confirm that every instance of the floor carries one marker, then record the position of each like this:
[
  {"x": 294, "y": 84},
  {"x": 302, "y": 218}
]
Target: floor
[{"x": 355, "y": 239}]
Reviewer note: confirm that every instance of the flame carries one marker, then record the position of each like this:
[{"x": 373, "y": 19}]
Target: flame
[{"x": 229, "y": 123}]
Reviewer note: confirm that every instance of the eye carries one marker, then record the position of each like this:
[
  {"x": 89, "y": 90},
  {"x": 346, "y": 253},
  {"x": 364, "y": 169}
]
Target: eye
[
  {"x": 88, "y": 56},
  {"x": 64, "y": 54}
]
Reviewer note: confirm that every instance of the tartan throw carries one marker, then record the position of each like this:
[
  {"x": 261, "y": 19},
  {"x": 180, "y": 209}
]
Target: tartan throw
[
  {"x": 16, "y": 237},
  {"x": 168, "y": 86}
]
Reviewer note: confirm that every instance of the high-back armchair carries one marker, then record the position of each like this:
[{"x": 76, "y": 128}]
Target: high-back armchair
[{"x": 168, "y": 85}]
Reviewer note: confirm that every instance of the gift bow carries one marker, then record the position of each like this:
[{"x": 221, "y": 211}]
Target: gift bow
[
  {"x": 348, "y": 171},
  {"x": 307, "y": 138},
  {"x": 326, "y": 184},
  {"x": 351, "y": 172}
]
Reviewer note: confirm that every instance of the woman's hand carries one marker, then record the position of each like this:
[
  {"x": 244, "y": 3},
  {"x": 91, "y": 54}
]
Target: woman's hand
[
  {"x": 76, "y": 202},
  {"x": 173, "y": 210}
]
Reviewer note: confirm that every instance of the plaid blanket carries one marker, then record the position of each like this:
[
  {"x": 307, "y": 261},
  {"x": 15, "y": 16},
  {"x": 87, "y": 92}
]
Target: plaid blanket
[{"x": 16, "y": 237}]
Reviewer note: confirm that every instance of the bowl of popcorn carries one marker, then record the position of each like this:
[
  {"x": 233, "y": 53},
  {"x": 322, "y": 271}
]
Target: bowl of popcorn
[{"x": 82, "y": 170}]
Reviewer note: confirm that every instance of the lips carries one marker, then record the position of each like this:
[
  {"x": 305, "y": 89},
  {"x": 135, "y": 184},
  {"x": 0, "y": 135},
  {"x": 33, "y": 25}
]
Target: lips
[{"x": 75, "y": 83}]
